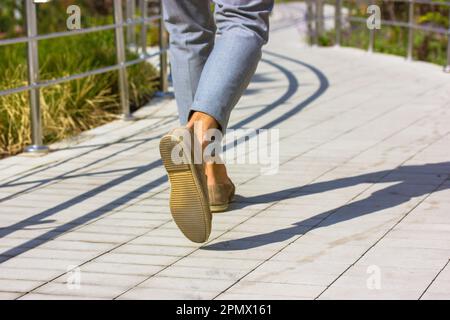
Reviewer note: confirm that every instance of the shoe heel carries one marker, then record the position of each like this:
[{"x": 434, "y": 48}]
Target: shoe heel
[
  {"x": 165, "y": 147},
  {"x": 188, "y": 205}
]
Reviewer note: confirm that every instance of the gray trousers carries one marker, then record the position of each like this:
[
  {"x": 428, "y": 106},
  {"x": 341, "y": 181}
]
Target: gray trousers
[{"x": 214, "y": 54}]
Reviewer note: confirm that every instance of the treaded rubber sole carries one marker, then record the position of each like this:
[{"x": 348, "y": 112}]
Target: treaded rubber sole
[{"x": 188, "y": 202}]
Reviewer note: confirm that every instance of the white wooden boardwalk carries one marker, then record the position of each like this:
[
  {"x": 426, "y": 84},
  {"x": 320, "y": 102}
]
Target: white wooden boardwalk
[{"x": 360, "y": 207}]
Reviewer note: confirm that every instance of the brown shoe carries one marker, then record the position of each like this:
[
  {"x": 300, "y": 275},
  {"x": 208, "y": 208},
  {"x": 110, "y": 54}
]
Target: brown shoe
[
  {"x": 189, "y": 202},
  {"x": 220, "y": 196}
]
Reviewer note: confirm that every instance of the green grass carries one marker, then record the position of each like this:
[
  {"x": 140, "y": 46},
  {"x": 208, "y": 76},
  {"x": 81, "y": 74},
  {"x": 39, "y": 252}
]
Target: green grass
[
  {"x": 71, "y": 107},
  {"x": 393, "y": 40}
]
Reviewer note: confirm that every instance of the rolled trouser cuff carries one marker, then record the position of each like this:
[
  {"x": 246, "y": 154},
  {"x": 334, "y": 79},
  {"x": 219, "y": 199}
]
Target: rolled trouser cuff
[{"x": 220, "y": 113}]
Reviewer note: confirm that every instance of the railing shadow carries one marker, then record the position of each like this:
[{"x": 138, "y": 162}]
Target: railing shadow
[
  {"x": 92, "y": 148},
  {"x": 41, "y": 217}
]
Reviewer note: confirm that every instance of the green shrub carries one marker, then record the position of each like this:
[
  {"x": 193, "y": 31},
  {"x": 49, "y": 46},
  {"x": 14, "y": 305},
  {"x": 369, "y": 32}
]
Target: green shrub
[
  {"x": 71, "y": 107},
  {"x": 393, "y": 39}
]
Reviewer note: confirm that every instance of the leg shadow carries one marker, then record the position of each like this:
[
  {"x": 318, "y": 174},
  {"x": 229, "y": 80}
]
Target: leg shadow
[{"x": 411, "y": 183}]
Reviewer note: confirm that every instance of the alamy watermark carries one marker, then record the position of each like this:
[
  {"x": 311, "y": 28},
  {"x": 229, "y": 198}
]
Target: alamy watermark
[
  {"x": 73, "y": 21},
  {"x": 374, "y": 20},
  {"x": 73, "y": 281},
  {"x": 242, "y": 146},
  {"x": 373, "y": 282}
]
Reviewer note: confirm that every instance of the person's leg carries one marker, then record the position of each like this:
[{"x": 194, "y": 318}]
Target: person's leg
[
  {"x": 243, "y": 27},
  {"x": 192, "y": 31},
  {"x": 191, "y": 26},
  {"x": 214, "y": 87},
  {"x": 216, "y": 173}
]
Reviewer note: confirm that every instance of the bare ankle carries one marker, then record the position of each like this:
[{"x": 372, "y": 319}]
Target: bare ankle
[
  {"x": 207, "y": 122},
  {"x": 216, "y": 173},
  {"x": 202, "y": 124}
]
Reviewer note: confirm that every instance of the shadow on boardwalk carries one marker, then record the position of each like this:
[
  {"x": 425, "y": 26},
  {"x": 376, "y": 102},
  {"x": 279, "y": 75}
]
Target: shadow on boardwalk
[
  {"x": 409, "y": 186},
  {"x": 406, "y": 188},
  {"x": 45, "y": 216}
]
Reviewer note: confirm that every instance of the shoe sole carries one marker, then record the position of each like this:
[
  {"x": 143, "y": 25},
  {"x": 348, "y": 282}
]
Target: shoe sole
[{"x": 188, "y": 202}]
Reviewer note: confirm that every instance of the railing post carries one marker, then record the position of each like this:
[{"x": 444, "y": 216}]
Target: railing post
[
  {"x": 121, "y": 59},
  {"x": 163, "y": 45},
  {"x": 130, "y": 12},
  {"x": 447, "y": 67},
  {"x": 320, "y": 17},
  {"x": 409, "y": 54},
  {"x": 338, "y": 21},
  {"x": 371, "y": 40},
  {"x": 309, "y": 19},
  {"x": 33, "y": 78},
  {"x": 371, "y": 36},
  {"x": 143, "y": 7},
  {"x": 316, "y": 22}
]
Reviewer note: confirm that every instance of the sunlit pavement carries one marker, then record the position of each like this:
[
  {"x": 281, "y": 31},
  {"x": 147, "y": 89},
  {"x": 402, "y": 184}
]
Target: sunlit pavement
[{"x": 359, "y": 209}]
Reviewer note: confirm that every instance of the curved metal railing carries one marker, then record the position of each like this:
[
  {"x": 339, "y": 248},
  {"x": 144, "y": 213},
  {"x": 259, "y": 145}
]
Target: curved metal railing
[
  {"x": 315, "y": 16},
  {"x": 35, "y": 84}
]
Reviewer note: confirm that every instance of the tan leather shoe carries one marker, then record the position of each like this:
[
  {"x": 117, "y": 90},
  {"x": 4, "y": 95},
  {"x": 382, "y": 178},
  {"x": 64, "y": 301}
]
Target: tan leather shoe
[
  {"x": 220, "y": 196},
  {"x": 189, "y": 202}
]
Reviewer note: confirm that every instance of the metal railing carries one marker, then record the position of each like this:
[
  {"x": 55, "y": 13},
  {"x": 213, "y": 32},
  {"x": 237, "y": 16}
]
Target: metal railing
[
  {"x": 316, "y": 17},
  {"x": 35, "y": 83}
]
